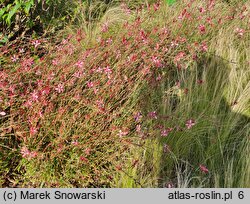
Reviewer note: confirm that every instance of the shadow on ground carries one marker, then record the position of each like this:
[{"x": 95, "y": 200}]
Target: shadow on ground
[{"x": 217, "y": 140}]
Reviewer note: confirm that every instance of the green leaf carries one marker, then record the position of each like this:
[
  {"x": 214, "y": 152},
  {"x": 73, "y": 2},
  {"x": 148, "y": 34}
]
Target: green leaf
[
  {"x": 4, "y": 39},
  {"x": 170, "y": 2},
  {"x": 2, "y": 11},
  {"x": 12, "y": 12},
  {"x": 27, "y": 6}
]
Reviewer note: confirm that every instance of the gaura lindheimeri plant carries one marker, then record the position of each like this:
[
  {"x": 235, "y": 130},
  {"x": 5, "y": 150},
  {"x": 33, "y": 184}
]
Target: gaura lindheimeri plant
[{"x": 129, "y": 102}]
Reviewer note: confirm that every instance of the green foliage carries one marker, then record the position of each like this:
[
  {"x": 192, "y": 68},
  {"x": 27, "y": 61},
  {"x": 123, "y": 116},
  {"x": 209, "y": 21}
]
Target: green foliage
[
  {"x": 170, "y": 2},
  {"x": 12, "y": 8},
  {"x": 18, "y": 16}
]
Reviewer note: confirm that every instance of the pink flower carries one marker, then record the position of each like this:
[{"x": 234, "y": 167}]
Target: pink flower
[
  {"x": 242, "y": 16},
  {"x": 122, "y": 133},
  {"x": 77, "y": 96},
  {"x": 109, "y": 41},
  {"x": 143, "y": 35},
  {"x": 3, "y": 76},
  {"x": 202, "y": 29},
  {"x": 157, "y": 47},
  {"x": 152, "y": 115},
  {"x": 40, "y": 114},
  {"x": 166, "y": 148},
  {"x": 169, "y": 185},
  {"x": 78, "y": 74},
  {"x": 51, "y": 76},
  {"x": 211, "y": 4},
  {"x": 76, "y": 143},
  {"x": 100, "y": 104},
  {"x": 164, "y": 133},
  {"x": 33, "y": 154},
  {"x": 27, "y": 63},
  {"x": 25, "y": 152},
  {"x": 79, "y": 64},
  {"x": 65, "y": 41},
  {"x": 138, "y": 128},
  {"x": 2, "y": 113},
  {"x": 158, "y": 78},
  {"x": 138, "y": 116},
  {"x": 209, "y": 21},
  {"x": 55, "y": 62},
  {"x": 14, "y": 58},
  {"x": 107, "y": 70},
  {"x": 36, "y": 43},
  {"x": 90, "y": 84},
  {"x": 200, "y": 81},
  {"x": 99, "y": 70},
  {"x": 132, "y": 58},
  {"x": 135, "y": 162},
  {"x": 203, "y": 168},
  {"x": 28, "y": 104},
  {"x": 105, "y": 28},
  {"x": 87, "y": 151},
  {"x": 118, "y": 167},
  {"x": 34, "y": 96},
  {"x": 202, "y": 10},
  {"x": 156, "y": 6},
  {"x": 174, "y": 44},
  {"x": 240, "y": 31},
  {"x": 21, "y": 50},
  {"x": 179, "y": 56},
  {"x": 84, "y": 159},
  {"x": 39, "y": 82},
  {"x": 180, "y": 17},
  {"x": 125, "y": 8},
  {"x": 12, "y": 89},
  {"x": 178, "y": 83},
  {"x": 46, "y": 90},
  {"x": 194, "y": 57},
  {"x": 204, "y": 47},
  {"x": 33, "y": 130},
  {"x": 60, "y": 88},
  {"x": 190, "y": 123},
  {"x": 156, "y": 61},
  {"x": 59, "y": 148}
]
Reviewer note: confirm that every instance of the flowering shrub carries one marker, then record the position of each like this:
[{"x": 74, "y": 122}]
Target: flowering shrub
[{"x": 78, "y": 111}]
